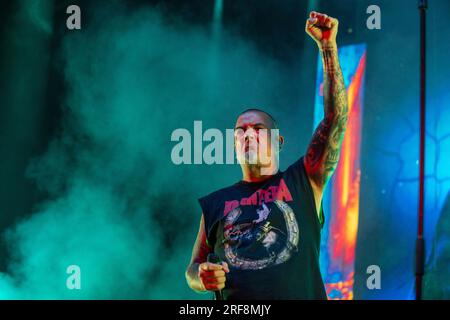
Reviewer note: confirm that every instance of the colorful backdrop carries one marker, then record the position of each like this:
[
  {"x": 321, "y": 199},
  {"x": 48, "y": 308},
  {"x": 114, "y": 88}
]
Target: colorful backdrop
[{"x": 86, "y": 118}]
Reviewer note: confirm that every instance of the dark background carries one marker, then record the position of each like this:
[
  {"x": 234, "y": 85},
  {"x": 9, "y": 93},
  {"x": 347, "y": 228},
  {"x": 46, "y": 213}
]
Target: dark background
[{"x": 36, "y": 87}]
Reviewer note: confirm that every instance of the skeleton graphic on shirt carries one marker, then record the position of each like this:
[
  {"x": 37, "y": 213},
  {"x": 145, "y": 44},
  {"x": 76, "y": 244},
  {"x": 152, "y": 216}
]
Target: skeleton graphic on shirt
[{"x": 260, "y": 231}]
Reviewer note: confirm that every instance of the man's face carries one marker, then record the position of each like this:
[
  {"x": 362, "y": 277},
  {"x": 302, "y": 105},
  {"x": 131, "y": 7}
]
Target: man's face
[{"x": 252, "y": 134}]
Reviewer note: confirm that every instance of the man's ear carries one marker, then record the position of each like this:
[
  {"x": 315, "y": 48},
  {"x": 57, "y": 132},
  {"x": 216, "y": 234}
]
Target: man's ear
[{"x": 280, "y": 142}]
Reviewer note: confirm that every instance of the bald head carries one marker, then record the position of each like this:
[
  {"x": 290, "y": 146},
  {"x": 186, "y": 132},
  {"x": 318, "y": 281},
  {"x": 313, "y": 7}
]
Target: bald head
[{"x": 255, "y": 118}]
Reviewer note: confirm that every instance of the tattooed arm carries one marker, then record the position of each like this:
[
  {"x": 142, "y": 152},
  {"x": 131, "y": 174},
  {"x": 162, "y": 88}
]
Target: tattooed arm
[{"x": 323, "y": 151}]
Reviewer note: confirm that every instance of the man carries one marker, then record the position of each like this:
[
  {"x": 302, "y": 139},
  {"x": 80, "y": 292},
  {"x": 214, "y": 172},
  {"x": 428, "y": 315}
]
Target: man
[{"x": 266, "y": 228}]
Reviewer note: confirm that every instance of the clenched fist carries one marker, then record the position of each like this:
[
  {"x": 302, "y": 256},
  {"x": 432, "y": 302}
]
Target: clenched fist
[
  {"x": 212, "y": 275},
  {"x": 323, "y": 29}
]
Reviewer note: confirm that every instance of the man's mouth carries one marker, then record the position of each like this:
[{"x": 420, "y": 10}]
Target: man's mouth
[{"x": 248, "y": 148}]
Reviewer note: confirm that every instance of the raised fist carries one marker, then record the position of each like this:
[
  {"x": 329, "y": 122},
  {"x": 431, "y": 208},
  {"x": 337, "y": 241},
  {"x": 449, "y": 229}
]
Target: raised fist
[{"x": 323, "y": 29}]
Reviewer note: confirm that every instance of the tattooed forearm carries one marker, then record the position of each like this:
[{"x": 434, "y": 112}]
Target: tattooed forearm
[
  {"x": 323, "y": 152},
  {"x": 335, "y": 96}
]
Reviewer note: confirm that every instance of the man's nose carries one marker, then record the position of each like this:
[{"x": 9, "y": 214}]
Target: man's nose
[
  {"x": 249, "y": 134},
  {"x": 250, "y": 140}
]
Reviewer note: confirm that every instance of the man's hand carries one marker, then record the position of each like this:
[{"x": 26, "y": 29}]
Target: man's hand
[
  {"x": 212, "y": 276},
  {"x": 323, "y": 29}
]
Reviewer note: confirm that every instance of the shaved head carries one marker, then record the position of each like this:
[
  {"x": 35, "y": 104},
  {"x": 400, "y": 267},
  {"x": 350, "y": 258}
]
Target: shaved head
[{"x": 271, "y": 122}]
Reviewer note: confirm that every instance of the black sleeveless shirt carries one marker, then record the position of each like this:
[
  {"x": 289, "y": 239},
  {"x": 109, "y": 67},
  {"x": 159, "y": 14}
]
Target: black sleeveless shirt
[{"x": 269, "y": 234}]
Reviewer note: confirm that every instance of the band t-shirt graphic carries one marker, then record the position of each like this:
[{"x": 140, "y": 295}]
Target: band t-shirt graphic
[{"x": 269, "y": 234}]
